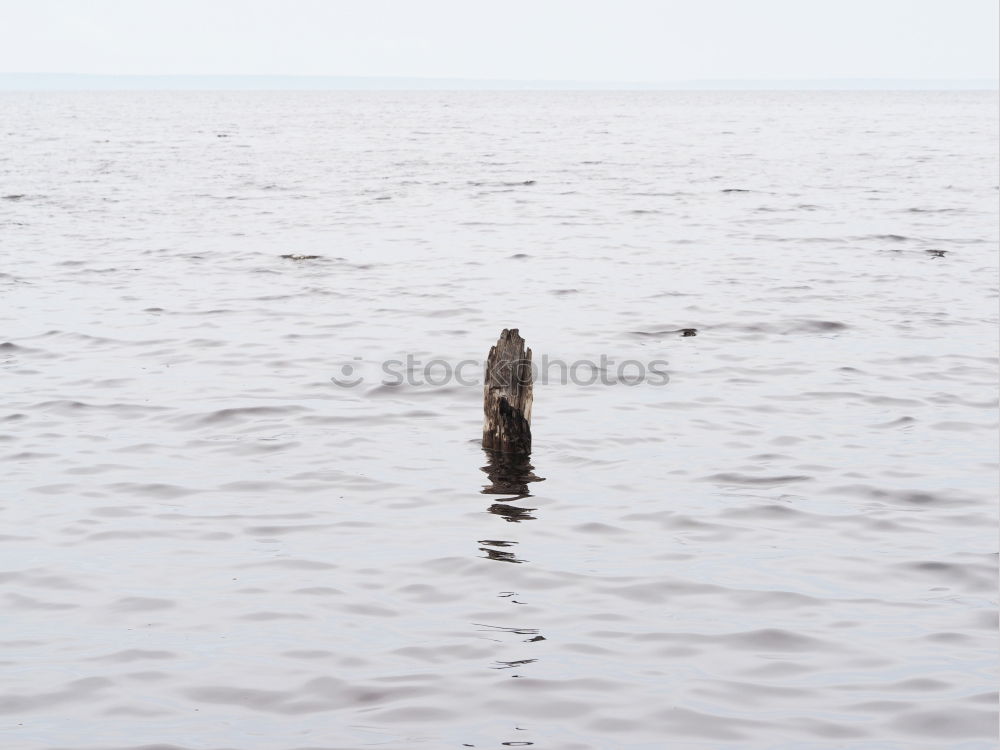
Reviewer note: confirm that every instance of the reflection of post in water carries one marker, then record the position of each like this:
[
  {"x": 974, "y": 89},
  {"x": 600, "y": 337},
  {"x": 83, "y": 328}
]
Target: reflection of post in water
[
  {"x": 500, "y": 555},
  {"x": 509, "y": 474}
]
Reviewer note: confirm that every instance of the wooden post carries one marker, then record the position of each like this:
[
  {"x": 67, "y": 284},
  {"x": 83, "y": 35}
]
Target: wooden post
[{"x": 507, "y": 396}]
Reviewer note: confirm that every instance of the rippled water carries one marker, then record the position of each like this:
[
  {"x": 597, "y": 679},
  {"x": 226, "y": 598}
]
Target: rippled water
[{"x": 208, "y": 544}]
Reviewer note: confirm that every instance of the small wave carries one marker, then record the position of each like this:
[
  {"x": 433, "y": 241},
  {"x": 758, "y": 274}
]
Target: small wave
[
  {"x": 750, "y": 481},
  {"x": 9, "y": 346},
  {"x": 135, "y": 654},
  {"x": 917, "y": 498},
  {"x": 502, "y": 183},
  {"x": 297, "y": 256},
  {"x": 951, "y": 723},
  {"x": 804, "y": 325},
  {"x": 152, "y": 489},
  {"x": 242, "y": 413},
  {"x": 142, "y": 604}
]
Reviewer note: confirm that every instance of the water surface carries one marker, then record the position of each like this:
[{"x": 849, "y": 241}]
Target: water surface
[{"x": 208, "y": 544}]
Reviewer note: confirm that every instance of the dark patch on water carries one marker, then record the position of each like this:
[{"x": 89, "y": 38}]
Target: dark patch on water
[
  {"x": 500, "y": 555},
  {"x": 682, "y": 332},
  {"x": 512, "y": 513}
]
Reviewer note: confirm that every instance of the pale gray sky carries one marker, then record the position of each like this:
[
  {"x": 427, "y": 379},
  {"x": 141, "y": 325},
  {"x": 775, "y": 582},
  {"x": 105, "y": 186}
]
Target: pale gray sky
[{"x": 606, "y": 40}]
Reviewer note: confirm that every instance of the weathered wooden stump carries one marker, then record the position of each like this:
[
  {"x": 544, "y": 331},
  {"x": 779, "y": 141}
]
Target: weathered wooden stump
[{"x": 507, "y": 396}]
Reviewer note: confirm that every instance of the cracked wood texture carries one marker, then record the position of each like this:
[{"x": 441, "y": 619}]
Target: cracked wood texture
[{"x": 507, "y": 395}]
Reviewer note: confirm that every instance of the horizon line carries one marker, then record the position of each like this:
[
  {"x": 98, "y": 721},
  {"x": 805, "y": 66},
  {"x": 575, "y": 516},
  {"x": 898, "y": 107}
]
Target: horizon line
[{"x": 252, "y": 81}]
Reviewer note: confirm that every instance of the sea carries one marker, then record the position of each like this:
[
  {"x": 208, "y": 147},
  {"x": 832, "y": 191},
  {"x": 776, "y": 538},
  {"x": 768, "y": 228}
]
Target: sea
[{"x": 245, "y": 504}]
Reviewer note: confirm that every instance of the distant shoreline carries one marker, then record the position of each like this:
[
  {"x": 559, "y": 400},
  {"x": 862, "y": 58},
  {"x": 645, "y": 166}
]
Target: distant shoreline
[{"x": 97, "y": 82}]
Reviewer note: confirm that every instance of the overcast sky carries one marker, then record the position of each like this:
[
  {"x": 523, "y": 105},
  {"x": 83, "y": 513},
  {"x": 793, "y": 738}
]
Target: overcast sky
[{"x": 587, "y": 40}]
